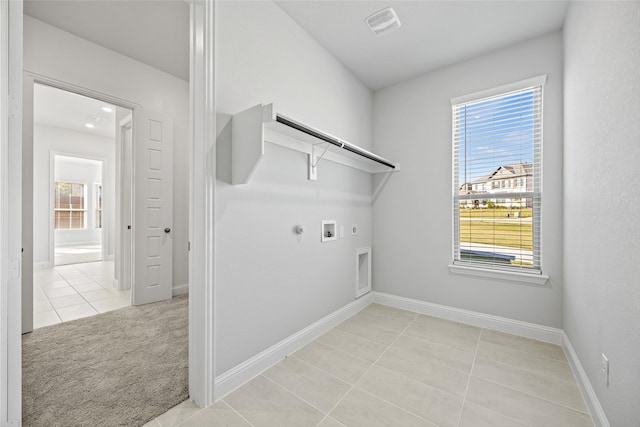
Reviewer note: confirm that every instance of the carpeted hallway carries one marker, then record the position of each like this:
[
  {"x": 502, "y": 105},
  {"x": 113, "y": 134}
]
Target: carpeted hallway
[{"x": 121, "y": 368}]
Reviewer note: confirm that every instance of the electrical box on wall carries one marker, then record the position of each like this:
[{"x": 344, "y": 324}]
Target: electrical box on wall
[{"x": 328, "y": 230}]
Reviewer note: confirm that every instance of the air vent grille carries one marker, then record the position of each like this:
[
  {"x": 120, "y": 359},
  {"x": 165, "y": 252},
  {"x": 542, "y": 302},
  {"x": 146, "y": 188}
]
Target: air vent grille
[{"x": 383, "y": 21}]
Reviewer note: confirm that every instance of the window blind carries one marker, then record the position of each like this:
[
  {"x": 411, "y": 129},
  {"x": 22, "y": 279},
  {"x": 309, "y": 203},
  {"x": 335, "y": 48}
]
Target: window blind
[{"x": 497, "y": 180}]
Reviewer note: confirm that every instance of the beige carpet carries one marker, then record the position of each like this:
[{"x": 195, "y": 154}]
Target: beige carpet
[{"x": 121, "y": 368}]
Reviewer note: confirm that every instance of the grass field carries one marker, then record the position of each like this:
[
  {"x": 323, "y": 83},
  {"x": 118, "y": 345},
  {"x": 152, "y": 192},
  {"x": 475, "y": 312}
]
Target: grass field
[
  {"x": 495, "y": 213},
  {"x": 512, "y": 235}
]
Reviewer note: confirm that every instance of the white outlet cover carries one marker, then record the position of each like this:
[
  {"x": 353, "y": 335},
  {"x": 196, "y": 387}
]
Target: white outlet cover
[{"x": 342, "y": 231}]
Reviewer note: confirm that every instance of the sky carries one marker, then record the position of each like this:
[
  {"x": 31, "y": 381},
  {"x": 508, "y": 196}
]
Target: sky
[{"x": 494, "y": 132}]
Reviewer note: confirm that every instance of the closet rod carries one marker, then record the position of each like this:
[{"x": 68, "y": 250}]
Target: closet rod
[{"x": 331, "y": 140}]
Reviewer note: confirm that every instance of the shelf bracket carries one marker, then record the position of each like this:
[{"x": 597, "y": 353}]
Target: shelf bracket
[{"x": 313, "y": 161}]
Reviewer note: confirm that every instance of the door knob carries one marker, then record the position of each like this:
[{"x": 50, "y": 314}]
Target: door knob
[{"x": 167, "y": 230}]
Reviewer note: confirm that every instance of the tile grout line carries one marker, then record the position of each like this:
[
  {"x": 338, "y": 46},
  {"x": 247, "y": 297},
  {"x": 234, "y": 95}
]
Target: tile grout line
[
  {"x": 537, "y": 397},
  {"x": 552, "y": 359},
  {"x": 529, "y": 371},
  {"x": 295, "y": 394},
  {"x": 403, "y": 333},
  {"x": 519, "y": 391},
  {"x": 365, "y": 373},
  {"x": 235, "y": 411},
  {"x": 466, "y": 390},
  {"x": 525, "y": 424},
  {"x": 381, "y": 367}
]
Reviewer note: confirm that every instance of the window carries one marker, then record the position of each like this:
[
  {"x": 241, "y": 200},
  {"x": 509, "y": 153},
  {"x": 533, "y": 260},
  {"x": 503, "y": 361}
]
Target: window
[
  {"x": 497, "y": 140},
  {"x": 98, "y": 205},
  {"x": 69, "y": 205}
]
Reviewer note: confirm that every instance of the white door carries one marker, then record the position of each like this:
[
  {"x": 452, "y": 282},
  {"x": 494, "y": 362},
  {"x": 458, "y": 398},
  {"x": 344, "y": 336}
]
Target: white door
[{"x": 153, "y": 210}]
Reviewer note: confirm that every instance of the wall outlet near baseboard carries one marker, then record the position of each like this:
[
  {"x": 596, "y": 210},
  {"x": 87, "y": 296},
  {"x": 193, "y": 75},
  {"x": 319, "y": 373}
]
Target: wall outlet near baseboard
[{"x": 605, "y": 370}]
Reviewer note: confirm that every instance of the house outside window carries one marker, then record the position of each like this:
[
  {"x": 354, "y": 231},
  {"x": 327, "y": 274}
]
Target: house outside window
[
  {"x": 497, "y": 191},
  {"x": 69, "y": 205}
]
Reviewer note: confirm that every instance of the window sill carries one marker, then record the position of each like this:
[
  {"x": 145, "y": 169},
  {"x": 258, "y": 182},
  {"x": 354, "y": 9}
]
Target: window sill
[{"x": 536, "y": 279}]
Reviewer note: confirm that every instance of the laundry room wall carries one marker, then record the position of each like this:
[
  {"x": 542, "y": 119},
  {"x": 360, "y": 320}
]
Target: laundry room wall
[{"x": 271, "y": 282}]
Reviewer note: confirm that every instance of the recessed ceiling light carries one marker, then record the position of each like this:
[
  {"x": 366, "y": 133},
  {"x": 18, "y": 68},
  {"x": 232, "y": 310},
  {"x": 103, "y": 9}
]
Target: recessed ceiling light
[
  {"x": 89, "y": 125},
  {"x": 383, "y": 21},
  {"x": 106, "y": 109}
]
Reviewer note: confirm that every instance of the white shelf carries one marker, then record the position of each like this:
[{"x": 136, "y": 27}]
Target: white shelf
[{"x": 253, "y": 127}]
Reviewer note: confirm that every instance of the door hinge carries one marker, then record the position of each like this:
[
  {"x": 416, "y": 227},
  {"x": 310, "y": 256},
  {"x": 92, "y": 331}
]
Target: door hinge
[
  {"x": 189, "y": 246},
  {"x": 128, "y": 227}
]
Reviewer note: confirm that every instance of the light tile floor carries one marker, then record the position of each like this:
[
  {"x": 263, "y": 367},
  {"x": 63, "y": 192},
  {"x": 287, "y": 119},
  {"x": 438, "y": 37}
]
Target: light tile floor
[
  {"x": 70, "y": 292},
  {"x": 390, "y": 367}
]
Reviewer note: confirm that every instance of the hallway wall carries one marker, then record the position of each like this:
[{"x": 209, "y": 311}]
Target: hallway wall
[{"x": 51, "y": 52}]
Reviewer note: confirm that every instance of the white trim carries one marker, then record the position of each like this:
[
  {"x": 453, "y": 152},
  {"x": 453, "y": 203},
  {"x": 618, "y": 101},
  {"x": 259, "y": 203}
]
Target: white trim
[
  {"x": 509, "y": 87},
  {"x": 512, "y": 276},
  {"x": 180, "y": 290},
  {"x": 588, "y": 393},
  {"x": 202, "y": 183},
  {"x": 42, "y": 265},
  {"x": 481, "y": 320},
  {"x": 235, "y": 377},
  {"x": 11, "y": 212}
]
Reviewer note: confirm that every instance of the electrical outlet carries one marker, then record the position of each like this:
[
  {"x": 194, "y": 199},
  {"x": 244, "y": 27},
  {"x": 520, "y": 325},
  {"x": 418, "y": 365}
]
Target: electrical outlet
[{"x": 605, "y": 370}]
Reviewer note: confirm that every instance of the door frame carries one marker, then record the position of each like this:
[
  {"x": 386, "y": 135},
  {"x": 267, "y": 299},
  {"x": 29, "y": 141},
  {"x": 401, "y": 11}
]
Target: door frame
[
  {"x": 201, "y": 195},
  {"x": 29, "y": 79},
  {"x": 202, "y": 187},
  {"x": 124, "y": 188},
  {"x": 10, "y": 212}
]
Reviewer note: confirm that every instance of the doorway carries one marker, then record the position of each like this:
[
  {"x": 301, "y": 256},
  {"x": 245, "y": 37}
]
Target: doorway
[{"x": 76, "y": 204}]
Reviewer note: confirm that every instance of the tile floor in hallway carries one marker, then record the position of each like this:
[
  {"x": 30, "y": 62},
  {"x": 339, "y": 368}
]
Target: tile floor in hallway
[
  {"x": 390, "y": 367},
  {"x": 70, "y": 292}
]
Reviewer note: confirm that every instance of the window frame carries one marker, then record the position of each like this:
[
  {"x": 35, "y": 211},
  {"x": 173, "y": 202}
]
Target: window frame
[
  {"x": 458, "y": 266},
  {"x": 83, "y": 210},
  {"x": 99, "y": 202}
]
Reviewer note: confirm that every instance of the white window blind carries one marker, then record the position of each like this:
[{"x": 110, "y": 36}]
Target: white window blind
[
  {"x": 497, "y": 182},
  {"x": 69, "y": 205}
]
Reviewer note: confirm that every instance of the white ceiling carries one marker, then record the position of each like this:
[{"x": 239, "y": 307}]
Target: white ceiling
[
  {"x": 433, "y": 33},
  {"x": 66, "y": 110},
  {"x": 155, "y": 32}
]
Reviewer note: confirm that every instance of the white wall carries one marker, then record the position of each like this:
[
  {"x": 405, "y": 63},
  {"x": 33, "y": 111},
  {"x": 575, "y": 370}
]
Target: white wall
[
  {"x": 270, "y": 282},
  {"x": 49, "y": 139},
  {"x": 412, "y": 216},
  {"x": 54, "y": 53},
  {"x": 88, "y": 173},
  {"x": 602, "y": 201}
]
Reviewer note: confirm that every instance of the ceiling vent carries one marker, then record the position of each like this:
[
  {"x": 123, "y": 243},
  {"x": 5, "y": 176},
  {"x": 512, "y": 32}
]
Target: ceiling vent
[{"x": 383, "y": 21}]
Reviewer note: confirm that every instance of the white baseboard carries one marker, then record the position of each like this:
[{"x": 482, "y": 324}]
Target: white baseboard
[
  {"x": 588, "y": 393},
  {"x": 80, "y": 243},
  {"x": 235, "y": 377},
  {"x": 180, "y": 290},
  {"x": 42, "y": 265},
  {"x": 488, "y": 321}
]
